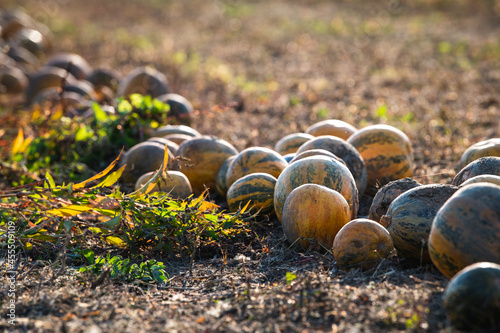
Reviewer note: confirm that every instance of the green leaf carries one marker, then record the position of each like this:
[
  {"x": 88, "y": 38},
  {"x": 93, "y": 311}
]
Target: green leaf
[
  {"x": 50, "y": 180},
  {"x": 112, "y": 178},
  {"x": 110, "y": 224},
  {"x": 83, "y": 133},
  {"x": 99, "y": 113},
  {"x": 89, "y": 254},
  {"x": 290, "y": 277}
]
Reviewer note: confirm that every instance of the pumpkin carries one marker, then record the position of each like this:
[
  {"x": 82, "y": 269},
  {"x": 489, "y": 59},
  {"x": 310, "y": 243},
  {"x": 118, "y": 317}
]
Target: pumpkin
[
  {"x": 333, "y": 127},
  {"x": 201, "y": 159},
  {"x": 258, "y": 188},
  {"x": 172, "y": 146},
  {"x": 490, "y": 147},
  {"x": 482, "y": 166},
  {"x": 175, "y": 183},
  {"x": 104, "y": 77},
  {"x": 466, "y": 229},
  {"x": 387, "y": 194},
  {"x": 362, "y": 243},
  {"x": 344, "y": 150},
  {"x": 71, "y": 62},
  {"x": 482, "y": 179},
  {"x": 47, "y": 77},
  {"x": 143, "y": 158},
  {"x": 220, "y": 180},
  {"x": 321, "y": 170},
  {"x": 314, "y": 152},
  {"x": 143, "y": 80},
  {"x": 387, "y": 154},
  {"x": 255, "y": 159},
  {"x": 178, "y": 138},
  {"x": 291, "y": 142},
  {"x": 313, "y": 214},
  {"x": 409, "y": 218},
  {"x": 472, "y": 298},
  {"x": 13, "y": 80},
  {"x": 180, "y": 108},
  {"x": 176, "y": 129}
]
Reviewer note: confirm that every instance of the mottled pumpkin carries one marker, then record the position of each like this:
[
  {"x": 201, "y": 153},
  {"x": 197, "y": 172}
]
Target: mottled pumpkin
[
  {"x": 492, "y": 179},
  {"x": 201, "y": 160},
  {"x": 482, "y": 166},
  {"x": 258, "y": 188},
  {"x": 344, "y": 150},
  {"x": 255, "y": 159},
  {"x": 466, "y": 229},
  {"x": 313, "y": 214},
  {"x": 362, "y": 243},
  {"x": 409, "y": 218},
  {"x": 472, "y": 298},
  {"x": 333, "y": 127},
  {"x": 291, "y": 142},
  {"x": 490, "y": 147},
  {"x": 319, "y": 170},
  {"x": 387, "y": 154},
  {"x": 175, "y": 183}
]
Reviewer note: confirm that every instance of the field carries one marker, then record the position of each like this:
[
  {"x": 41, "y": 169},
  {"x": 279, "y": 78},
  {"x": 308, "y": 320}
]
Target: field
[{"x": 256, "y": 71}]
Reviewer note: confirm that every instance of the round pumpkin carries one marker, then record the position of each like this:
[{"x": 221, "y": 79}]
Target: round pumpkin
[
  {"x": 291, "y": 142},
  {"x": 178, "y": 138},
  {"x": 313, "y": 214},
  {"x": 255, "y": 159},
  {"x": 220, "y": 180},
  {"x": 258, "y": 188},
  {"x": 71, "y": 62},
  {"x": 175, "y": 183},
  {"x": 472, "y": 298},
  {"x": 490, "y": 147},
  {"x": 172, "y": 146},
  {"x": 47, "y": 77},
  {"x": 143, "y": 80},
  {"x": 180, "y": 108},
  {"x": 176, "y": 129},
  {"x": 482, "y": 179},
  {"x": 201, "y": 159},
  {"x": 409, "y": 218},
  {"x": 482, "y": 166},
  {"x": 387, "y": 154},
  {"x": 344, "y": 150},
  {"x": 333, "y": 127},
  {"x": 466, "y": 229},
  {"x": 321, "y": 170},
  {"x": 362, "y": 243},
  {"x": 314, "y": 152},
  {"x": 143, "y": 158},
  {"x": 13, "y": 80}
]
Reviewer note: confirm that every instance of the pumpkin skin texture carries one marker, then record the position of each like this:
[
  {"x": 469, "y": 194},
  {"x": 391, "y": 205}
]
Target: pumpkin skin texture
[
  {"x": 409, "y": 219},
  {"x": 320, "y": 170},
  {"x": 482, "y": 166},
  {"x": 482, "y": 179},
  {"x": 176, "y": 129},
  {"x": 490, "y": 147},
  {"x": 387, "y": 154},
  {"x": 466, "y": 229},
  {"x": 315, "y": 212},
  {"x": 472, "y": 298},
  {"x": 172, "y": 146},
  {"x": 386, "y": 195},
  {"x": 205, "y": 156},
  {"x": 344, "y": 150},
  {"x": 258, "y": 188},
  {"x": 220, "y": 180},
  {"x": 175, "y": 183},
  {"x": 291, "y": 142},
  {"x": 314, "y": 152},
  {"x": 362, "y": 243},
  {"x": 255, "y": 159},
  {"x": 333, "y": 127}
]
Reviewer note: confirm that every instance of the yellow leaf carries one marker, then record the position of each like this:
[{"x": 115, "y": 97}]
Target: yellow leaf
[
  {"x": 70, "y": 210},
  {"x": 18, "y": 142},
  {"x": 99, "y": 175},
  {"x": 165, "y": 162},
  {"x": 205, "y": 205},
  {"x": 116, "y": 241},
  {"x": 245, "y": 208},
  {"x": 111, "y": 179}
]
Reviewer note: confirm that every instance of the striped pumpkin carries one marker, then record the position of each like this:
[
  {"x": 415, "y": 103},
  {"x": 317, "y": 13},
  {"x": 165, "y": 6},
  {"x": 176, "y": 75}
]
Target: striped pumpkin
[
  {"x": 387, "y": 154},
  {"x": 333, "y": 127},
  {"x": 315, "y": 152},
  {"x": 409, "y": 219},
  {"x": 319, "y": 170},
  {"x": 291, "y": 142},
  {"x": 490, "y": 147},
  {"x": 314, "y": 212},
  {"x": 343, "y": 150},
  {"x": 255, "y": 159},
  {"x": 201, "y": 160},
  {"x": 258, "y": 188},
  {"x": 220, "y": 180},
  {"x": 489, "y": 165},
  {"x": 466, "y": 229}
]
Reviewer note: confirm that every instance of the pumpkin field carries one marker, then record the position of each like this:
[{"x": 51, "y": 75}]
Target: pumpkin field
[{"x": 250, "y": 166}]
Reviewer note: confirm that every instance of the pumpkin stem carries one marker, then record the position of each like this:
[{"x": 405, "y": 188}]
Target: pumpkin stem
[{"x": 385, "y": 220}]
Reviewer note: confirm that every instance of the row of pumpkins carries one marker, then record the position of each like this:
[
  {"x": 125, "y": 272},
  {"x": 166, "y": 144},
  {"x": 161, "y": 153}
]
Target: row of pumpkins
[{"x": 312, "y": 183}]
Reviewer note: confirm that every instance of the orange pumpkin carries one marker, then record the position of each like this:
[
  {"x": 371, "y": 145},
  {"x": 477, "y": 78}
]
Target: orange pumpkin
[
  {"x": 321, "y": 170},
  {"x": 387, "y": 153},
  {"x": 201, "y": 160},
  {"x": 466, "y": 229},
  {"x": 314, "y": 214},
  {"x": 490, "y": 147},
  {"x": 315, "y": 152},
  {"x": 290, "y": 143},
  {"x": 333, "y": 127},
  {"x": 362, "y": 243},
  {"x": 258, "y": 188},
  {"x": 255, "y": 159}
]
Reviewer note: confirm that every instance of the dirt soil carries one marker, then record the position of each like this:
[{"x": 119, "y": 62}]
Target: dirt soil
[{"x": 256, "y": 71}]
